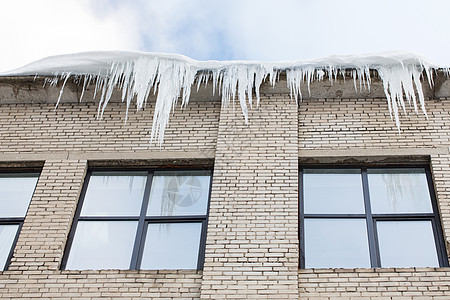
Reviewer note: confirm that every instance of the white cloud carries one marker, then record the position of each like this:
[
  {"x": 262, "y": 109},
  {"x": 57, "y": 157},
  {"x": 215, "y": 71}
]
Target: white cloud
[
  {"x": 233, "y": 29},
  {"x": 310, "y": 29},
  {"x": 31, "y": 30}
]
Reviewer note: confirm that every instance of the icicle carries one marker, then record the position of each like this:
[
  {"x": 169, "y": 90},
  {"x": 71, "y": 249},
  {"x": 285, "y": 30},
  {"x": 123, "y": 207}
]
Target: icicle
[
  {"x": 399, "y": 82},
  {"x": 142, "y": 77},
  {"x": 446, "y": 71},
  {"x": 110, "y": 84},
  {"x": 260, "y": 76},
  {"x": 330, "y": 74},
  {"x": 294, "y": 78},
  {"x": 310, "y": 77},
  {"x": 62, "y": 88},
  {"x": 103, "y": 85},
  {"x": 126, "y": 82},
  {"x": 97, "y": 84},
  {"x": 354, "y": 79},
  {"x": 418, "y": 84},
  {"x": 172, "y": 77},
  {"x": 87, "y": 80},
  {"x": 342, "y": 72}
]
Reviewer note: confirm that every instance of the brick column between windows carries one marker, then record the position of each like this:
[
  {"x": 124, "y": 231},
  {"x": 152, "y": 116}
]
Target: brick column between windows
[
  {"x": 440, "y": 164},
  {"x": 252, "y": 243},
  {"x": 44, "y": 233}
]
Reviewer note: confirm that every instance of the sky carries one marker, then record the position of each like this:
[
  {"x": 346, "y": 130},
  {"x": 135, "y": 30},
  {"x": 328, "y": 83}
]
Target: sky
[{"x": 224, "y": 30}]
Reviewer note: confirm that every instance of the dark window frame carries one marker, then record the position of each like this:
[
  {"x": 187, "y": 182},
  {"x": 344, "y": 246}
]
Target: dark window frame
[
  {"x": 17, "y": 220},
  {"x": 371, "y": 219},
  {"x": 142, "y": 219}
]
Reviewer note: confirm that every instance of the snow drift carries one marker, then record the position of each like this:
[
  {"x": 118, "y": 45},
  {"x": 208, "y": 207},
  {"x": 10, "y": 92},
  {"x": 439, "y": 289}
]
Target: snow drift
[{"x": 171, "y": 77}]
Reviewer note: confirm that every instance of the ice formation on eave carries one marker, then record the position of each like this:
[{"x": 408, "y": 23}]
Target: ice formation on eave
[{"x": 171, "y": 76}]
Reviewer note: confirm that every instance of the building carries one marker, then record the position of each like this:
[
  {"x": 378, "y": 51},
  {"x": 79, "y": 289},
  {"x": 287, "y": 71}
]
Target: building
[{"x": 72, "y": 234}]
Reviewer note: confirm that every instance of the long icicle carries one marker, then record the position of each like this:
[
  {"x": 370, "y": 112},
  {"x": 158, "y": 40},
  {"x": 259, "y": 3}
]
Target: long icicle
[{"x": 172, "y": 78}]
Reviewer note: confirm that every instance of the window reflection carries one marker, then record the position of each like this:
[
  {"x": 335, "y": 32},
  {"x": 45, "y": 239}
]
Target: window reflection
[
  {"x": 399, "y": 191},
  {"x": 172, "y": 246},
  {"x": 407, "y": 244},
  {"x": 397, "y": 228},
  {"x": 179, "y": 193},
  {"x": 336, "y": 243},
  {"x": 114, "y": 194},
  {"x": 102, "y": 245},
  {"x": 7, "y": 236},
  {"x": 333, "y": 191},
  {"x": 16, "y": 191},
  {"x": 140, "y": 220}
]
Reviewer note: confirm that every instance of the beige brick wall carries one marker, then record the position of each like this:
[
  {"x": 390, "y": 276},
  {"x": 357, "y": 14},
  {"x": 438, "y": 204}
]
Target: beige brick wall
[
  {"x": 105, "y": 284},
  {"x": 361, "y": 130},
  {"x": 46, "y": 227},
  {"x": 365, "y": 123},
  {"x": 385, "y": 283},
  {"x": 32, "y": 132},
  {"x": 29, "y": 128},
  {"x": 440, "y": 164},
  {"x": 34, "y": 270},
  {"x": 252, "y": 243}
]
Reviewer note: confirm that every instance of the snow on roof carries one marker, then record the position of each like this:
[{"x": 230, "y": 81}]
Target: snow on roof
[{"x": 172, "y": 76}]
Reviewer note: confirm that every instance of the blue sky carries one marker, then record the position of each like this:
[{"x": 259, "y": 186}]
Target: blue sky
[{"x": 224, "y": 30}]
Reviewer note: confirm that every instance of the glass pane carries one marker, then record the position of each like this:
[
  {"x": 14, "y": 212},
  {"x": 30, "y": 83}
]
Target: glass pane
[
  {"x": 102, "y": 245},
  {"x": 7, "y": 235},
  {"x": 336, "y": 243},
  {"x": 399, "y": 191},
  {"x": 179, "y": 193},
  {"x": 407, "y": 244},
  {"x": 114, "y": 194},
  {"x": 171, "y": 246},
  {"x": 333, "y": 191},
  {"x": 16, "y": 191}
]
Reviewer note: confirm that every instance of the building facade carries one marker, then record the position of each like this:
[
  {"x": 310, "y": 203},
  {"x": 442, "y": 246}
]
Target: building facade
[{"x": 258, "y": 232}]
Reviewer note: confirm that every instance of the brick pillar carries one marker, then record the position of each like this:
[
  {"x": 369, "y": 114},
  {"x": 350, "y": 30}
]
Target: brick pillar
[
  {"x": 252, "y": 243},
  {"x": 440, "y": 164},
  {"x": 44, "y": 233}
]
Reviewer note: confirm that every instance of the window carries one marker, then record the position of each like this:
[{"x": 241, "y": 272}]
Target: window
[
  {"x": 140, "y": 220},
  {"x": 16, "y": 190},
  {"x": 369, "y": 217}
]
